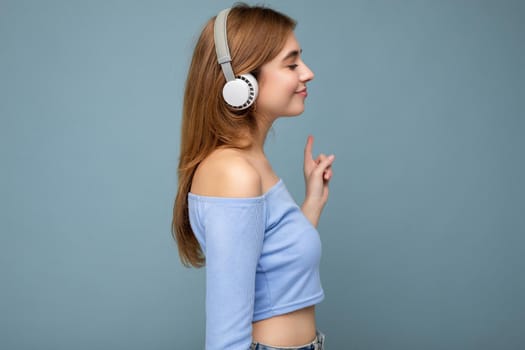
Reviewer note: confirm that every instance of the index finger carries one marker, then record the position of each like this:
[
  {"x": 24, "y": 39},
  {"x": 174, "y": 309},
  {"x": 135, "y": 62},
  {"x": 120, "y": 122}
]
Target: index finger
[{"x": 308, "y": 147}]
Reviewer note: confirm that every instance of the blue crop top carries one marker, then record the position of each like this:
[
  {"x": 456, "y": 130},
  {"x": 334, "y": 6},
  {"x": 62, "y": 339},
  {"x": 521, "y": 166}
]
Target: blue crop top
[{"x": 262, "y": 260}]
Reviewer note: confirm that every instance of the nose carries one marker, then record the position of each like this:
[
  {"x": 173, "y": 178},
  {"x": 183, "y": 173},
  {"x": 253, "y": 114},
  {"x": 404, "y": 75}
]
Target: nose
[{"x": 306, "y": 73}]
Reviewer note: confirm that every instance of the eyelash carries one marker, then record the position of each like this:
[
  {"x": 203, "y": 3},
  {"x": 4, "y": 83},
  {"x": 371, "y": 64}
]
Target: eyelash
[{"x": 293, "y": 66}]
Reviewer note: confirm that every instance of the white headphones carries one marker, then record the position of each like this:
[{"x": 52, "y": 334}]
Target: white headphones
[{"x": 239, "y": 92}]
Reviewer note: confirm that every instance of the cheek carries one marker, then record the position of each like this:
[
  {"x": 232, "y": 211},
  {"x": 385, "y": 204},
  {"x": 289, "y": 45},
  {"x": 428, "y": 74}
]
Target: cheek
[{"x": 277, "y": 86}]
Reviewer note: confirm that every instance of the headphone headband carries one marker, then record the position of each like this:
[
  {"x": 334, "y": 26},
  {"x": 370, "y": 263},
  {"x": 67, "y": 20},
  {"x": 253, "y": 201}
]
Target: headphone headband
[{"x": 221, "y": 44}]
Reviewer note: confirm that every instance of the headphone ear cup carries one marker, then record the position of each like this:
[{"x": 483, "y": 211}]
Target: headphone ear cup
[
  {"x": 241, "y": 92},
  {"x": 254, "y": 87}
]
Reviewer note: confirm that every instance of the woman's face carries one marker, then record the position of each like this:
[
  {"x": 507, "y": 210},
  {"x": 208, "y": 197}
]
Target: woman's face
[{"x": 282, "y": 82}]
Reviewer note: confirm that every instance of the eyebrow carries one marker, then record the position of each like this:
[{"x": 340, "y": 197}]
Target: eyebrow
[{"x": 293, "y": 54}]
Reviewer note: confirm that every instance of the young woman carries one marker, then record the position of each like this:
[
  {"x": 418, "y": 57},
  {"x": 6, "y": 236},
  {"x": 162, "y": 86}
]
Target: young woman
[{"x": 232, "y": 212}]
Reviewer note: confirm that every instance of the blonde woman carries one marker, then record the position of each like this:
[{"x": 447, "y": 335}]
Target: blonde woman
[{"x": 232, "y": 212}]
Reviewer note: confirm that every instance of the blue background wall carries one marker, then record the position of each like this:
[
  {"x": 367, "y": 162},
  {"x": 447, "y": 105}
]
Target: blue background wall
[{"x": 421, "y": 101}]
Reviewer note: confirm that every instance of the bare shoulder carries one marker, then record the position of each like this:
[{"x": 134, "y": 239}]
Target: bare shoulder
[{"x": 226, "y": 173}]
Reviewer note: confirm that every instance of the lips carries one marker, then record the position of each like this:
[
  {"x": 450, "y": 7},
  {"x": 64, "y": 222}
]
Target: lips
[{"x": 302, "y": 92}]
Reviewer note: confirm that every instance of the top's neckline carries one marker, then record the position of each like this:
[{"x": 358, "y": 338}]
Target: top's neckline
[{"x": 272, "y": 189}]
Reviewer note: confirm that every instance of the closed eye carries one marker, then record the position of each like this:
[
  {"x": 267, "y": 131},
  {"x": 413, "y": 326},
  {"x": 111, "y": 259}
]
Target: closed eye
[{"x": 293, "y": 66}]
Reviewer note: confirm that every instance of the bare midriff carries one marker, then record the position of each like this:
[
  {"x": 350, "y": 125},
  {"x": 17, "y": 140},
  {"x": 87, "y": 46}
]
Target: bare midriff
[{"x": 292, "y": 329}]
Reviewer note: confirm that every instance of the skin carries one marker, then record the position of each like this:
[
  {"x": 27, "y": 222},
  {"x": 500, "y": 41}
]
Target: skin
[{"x": 248, "y": 173}]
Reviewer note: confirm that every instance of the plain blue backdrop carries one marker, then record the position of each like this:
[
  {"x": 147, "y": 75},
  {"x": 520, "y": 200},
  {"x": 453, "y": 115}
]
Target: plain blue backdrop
[{"x": 424, "y": 235}]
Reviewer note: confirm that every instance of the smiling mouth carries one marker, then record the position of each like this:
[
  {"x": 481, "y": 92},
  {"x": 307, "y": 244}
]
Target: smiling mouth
[{"x": 302, "y": 92}]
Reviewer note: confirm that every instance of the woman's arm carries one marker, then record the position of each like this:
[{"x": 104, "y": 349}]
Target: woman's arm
[
  {"x": 317, "y": 175},
  {"x": 231, "y": 213},
  {"x": 234, "y": 239}
]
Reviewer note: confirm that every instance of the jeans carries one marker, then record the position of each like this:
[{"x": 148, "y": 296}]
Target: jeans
[{"x": 316, "y": 344}]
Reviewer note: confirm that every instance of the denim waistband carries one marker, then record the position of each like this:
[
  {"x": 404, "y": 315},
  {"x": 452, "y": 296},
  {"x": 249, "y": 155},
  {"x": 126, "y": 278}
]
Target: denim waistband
[{"x": 316, "y": 344}]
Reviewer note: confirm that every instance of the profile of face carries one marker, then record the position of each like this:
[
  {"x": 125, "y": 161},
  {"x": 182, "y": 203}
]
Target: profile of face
[{"x": 282, "y": 82}]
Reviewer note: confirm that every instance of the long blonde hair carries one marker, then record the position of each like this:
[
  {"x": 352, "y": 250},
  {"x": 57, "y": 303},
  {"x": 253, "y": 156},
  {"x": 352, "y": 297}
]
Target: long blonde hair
[{"x": 255, "y": 36}]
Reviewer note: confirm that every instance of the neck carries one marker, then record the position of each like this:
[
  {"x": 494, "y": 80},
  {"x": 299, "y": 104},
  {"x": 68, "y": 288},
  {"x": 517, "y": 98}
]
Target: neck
[{"x": 264, "y": 124}]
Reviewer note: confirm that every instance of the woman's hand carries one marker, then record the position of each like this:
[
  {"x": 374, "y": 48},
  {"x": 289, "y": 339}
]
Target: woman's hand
[{"x": 317, "y": 175}]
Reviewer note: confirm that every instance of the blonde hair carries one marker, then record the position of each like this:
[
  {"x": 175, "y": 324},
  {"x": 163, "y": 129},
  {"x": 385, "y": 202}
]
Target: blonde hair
[{"x": 255, "y": 36}]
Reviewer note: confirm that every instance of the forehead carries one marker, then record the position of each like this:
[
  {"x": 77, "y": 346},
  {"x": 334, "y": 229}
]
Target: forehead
[{"x": 291, "y": 44}]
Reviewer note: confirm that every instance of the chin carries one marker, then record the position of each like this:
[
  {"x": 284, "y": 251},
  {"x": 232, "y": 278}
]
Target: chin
[
  {"x": 291, "y": 111},
  {"x": 294, "y": 110},
  {"x": 294, "y": 114}
]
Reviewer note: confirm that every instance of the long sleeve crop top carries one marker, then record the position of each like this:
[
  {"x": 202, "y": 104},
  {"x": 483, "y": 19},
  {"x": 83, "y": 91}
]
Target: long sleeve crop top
[{"x": 262, "y": 260}]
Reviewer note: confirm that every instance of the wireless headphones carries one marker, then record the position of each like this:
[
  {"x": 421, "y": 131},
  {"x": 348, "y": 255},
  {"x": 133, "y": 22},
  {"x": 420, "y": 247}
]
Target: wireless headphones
[{"x": 239, "y": 92}]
